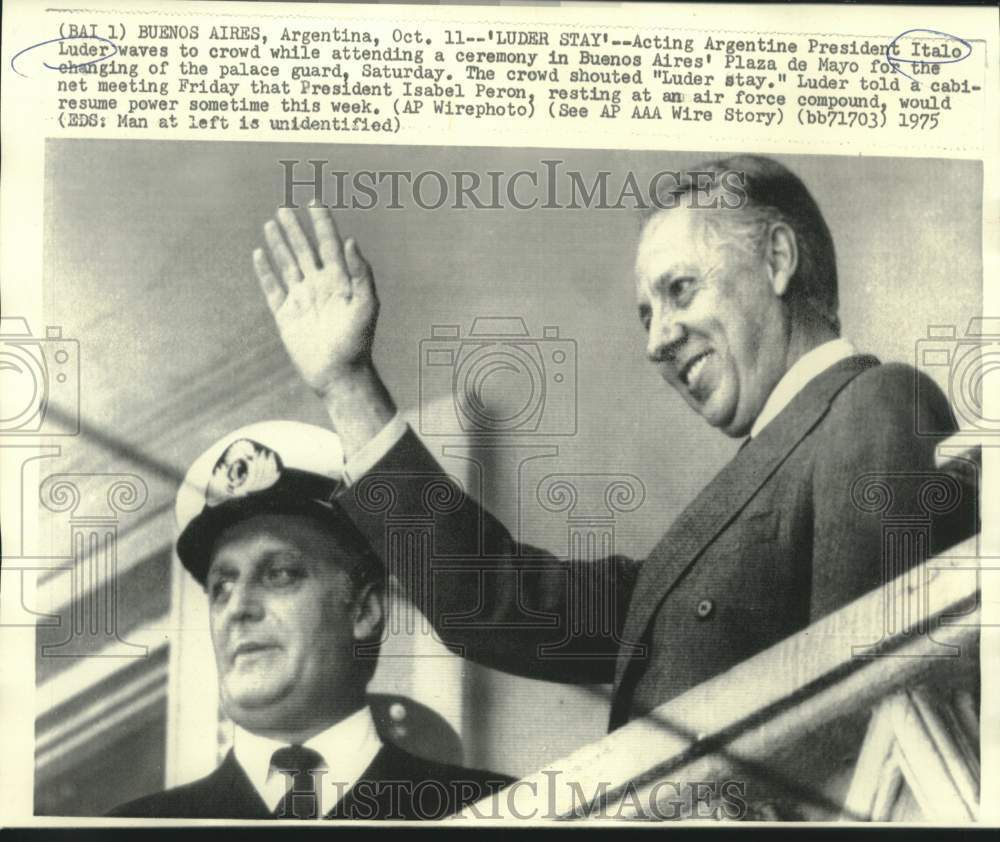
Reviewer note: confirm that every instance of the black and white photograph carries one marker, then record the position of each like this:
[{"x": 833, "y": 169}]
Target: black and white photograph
[
  {"x": 360, "y": 472},
  {"x": 450, "y": 485}
]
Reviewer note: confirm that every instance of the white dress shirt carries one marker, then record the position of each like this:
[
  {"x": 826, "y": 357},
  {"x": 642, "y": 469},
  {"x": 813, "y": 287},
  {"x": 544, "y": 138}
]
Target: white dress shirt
[
  {"x": 347, "y": 749},
  {"x": 374, "y": 449},
  {"x": 804, "y": 369}
]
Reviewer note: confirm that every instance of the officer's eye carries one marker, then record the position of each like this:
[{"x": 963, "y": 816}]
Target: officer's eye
[
  {"x": 645, "y": 316},
  {"x": 219, "y": 589},
  {"x": 680, "y": 288},
  {"x": 282, "y": 576}
]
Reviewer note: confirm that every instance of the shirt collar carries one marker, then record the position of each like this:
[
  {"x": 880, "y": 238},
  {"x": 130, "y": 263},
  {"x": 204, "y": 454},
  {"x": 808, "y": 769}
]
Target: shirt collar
[
  {"x": 804, "y": 369},
  {"x": 347, "y": 748}
]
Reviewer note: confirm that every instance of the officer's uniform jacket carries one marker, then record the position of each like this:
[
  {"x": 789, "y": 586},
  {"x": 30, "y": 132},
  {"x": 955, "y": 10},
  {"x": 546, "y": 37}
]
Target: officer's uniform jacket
[{"x": 396, "y": 786}]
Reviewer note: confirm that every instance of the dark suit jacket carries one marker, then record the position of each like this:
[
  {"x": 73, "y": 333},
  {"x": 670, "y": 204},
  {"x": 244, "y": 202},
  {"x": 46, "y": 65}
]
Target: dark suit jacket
[
  {"x": 397, "y": 785},
  {"x": 779, "y": 538}
]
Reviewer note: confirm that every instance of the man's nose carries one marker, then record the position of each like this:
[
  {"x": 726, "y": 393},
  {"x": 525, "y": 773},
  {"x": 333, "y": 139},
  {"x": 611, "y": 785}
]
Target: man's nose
[
  {"x": 244, "y": 602},
  {"x": 666, "y": 335}
]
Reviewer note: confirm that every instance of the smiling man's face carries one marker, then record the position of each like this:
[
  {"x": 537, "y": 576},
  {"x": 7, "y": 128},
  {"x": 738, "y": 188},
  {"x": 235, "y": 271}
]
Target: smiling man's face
[
  {"x": 284, "y": 622},
  {"x": 715, "y": 327}
]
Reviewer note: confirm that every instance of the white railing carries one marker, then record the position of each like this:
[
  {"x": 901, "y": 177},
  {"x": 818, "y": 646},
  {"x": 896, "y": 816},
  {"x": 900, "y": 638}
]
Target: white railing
[{"x": 768, "y": 726}]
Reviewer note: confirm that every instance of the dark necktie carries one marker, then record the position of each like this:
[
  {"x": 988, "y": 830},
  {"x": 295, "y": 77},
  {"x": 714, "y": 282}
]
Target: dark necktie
[{"x": 302, "y": 801}]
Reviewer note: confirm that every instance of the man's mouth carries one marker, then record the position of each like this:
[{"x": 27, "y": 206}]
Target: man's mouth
[
  {"x": 692, "y": 368},
  {"x": 252, "y": 648}
]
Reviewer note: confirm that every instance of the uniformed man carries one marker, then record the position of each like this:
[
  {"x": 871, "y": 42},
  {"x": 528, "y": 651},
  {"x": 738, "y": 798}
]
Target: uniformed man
[{"x": 296, "y": 601}]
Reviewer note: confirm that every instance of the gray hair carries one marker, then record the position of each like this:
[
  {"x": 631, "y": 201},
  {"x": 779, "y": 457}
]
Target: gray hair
[{"x": 771, "y": 193}]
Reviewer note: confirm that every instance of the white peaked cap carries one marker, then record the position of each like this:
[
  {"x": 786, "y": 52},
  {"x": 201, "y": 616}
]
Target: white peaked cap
[{"x": 269, "y": 466}]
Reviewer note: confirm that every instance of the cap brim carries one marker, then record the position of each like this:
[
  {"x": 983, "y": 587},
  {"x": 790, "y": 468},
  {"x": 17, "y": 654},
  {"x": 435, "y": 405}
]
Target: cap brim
[{"x": 197, "y": 540}]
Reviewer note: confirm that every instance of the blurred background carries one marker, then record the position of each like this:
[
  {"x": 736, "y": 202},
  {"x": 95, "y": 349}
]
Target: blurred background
[{"x": 147, "y": 260}]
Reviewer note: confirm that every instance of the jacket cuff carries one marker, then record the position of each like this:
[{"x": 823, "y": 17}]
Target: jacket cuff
[{"x": 375, "y": 450}]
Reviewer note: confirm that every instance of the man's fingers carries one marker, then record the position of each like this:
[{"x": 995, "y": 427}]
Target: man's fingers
[
  {"x": 304, "y": 254},
  {"x": 331, "y": 250},
  {"x": 273, "y": 291},
  {"x": 282, "y": 257},
  {"x": 361, "y": 272}
]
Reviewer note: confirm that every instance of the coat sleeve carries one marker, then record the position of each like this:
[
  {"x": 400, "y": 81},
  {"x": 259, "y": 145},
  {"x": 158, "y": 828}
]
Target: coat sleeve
[
  {"x": 871, "y": 466},
  {"x": 491, "y": 599}
]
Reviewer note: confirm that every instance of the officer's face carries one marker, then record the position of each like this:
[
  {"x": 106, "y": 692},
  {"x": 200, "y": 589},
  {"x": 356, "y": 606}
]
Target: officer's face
[
  {"x": 284, "y": 620},
  {"x": 715, "y": 326}
]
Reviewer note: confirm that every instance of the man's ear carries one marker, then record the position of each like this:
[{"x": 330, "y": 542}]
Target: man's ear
[
  {"x": 782, "y": 257},
  {"x": 369, "y": 613}
]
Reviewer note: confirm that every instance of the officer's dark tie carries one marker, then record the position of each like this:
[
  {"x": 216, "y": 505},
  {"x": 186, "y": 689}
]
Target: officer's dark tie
[{"x": 302, "y": 801}]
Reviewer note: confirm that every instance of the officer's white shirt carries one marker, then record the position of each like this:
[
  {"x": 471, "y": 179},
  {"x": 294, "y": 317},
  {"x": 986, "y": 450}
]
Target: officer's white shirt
[
  {"x": 804, "y": 369},
  {"x": 347, "y": 749}
]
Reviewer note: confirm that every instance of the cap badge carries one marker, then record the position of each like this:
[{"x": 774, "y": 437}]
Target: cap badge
[{"x": 245, "y": 467}]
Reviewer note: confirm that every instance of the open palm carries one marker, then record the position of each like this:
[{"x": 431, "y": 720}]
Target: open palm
[{"x": 323, "y": 300}]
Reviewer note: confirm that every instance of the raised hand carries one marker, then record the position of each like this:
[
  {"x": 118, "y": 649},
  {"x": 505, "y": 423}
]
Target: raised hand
[
  {"x": 323, "y": 301},
  {"x": 325, "y": 306}
]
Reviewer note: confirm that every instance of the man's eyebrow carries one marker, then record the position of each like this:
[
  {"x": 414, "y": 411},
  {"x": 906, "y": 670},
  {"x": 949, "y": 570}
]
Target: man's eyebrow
[
  {"x": 665, "y": 278},
  {"x": 283, "y": 554},
  {"x": 221, "y": 569},
  {"x": 267, "y": 557},
  {"x": 662, "y": 281}
]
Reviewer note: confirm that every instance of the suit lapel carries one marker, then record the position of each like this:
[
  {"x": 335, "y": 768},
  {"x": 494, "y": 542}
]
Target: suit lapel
[
  {"x": 727, "y": 494},
  {"x": 382, "y": 768},
  {"x": 239, "y": 799},
  {"x": 230, "y": 794}
]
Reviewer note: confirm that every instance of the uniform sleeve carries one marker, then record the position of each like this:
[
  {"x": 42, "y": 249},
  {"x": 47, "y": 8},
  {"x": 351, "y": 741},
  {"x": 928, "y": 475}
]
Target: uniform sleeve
[
  {"x": 499, "y": 602},
  {"x": 871, "y": 465}
]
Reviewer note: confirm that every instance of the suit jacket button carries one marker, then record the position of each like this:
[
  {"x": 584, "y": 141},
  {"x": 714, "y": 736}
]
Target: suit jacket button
[{"x": 705, "y": 609}]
